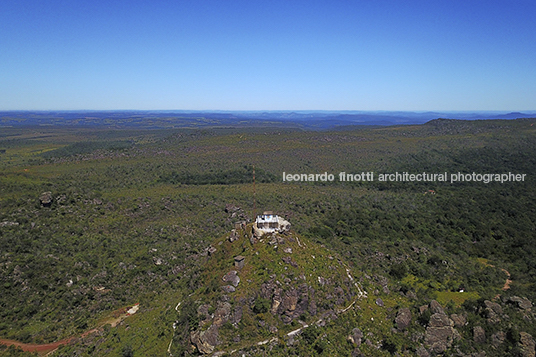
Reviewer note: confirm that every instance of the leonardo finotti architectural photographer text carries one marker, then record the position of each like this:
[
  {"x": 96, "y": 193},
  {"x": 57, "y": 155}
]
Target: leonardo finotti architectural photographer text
[{"x": 370, "y": 176}]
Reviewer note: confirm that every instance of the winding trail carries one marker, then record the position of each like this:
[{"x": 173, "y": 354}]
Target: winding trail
[
  {"x": 507, "y": 283},
  {"x": 46, "y": 349}
]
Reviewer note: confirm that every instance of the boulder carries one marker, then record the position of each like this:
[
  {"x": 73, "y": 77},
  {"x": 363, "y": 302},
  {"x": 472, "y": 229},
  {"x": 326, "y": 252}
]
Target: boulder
[
  {"x": 498, "y": 338},
  {"x": 527, "y": 345},
  {"x": 205, "y": 341},
  {"x": 493, "y": 311},
  {"x": 436, "y": 307},
  {"x": 236, "y": 317},
  {"x": 355, "y": 337},
  {"x": 479, "y": 335},
  {"x": 289, "y": 260},
  {"x": 440, "y": 320},
  {"x": 422, "y": 352},
  {"x": 233, "y": 236},
  {"x": 230, "y": 208},
  {"x": 459, "y": 320},
  {"x": 438, "y": 339},
  {"x": 379, "y": 302},
  {"x": 222, "y": 313},
  {"x": 403, "y": 318},
  {"x": 232, "y": 277},
  {"x": 522, "y": 303},
  {"x": 46, "y": 199},
  {"x": 202, "y": 311},
  {"x": 290, "y": 300},
  {"x": 228, "y": 288},
  {"x": 440, "y": 332}
]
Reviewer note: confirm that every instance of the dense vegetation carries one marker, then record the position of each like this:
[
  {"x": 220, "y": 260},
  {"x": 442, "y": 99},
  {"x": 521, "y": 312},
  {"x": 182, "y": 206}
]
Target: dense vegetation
[{"x": 132, "y": 212}]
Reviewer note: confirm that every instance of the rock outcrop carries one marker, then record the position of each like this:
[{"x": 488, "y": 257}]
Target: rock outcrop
[
  {"x": 479, "y": 335},
  {"x": 46, "y": 199},
  {"x": 522, "y": 303},
  {"x": 527, "y": 345},
  {"x": 440, "y": 332},
  {"x": 355, "y": 337},
  {"x": 273, "y": 284},
  {"x": 232, "y": 277},
  {"x": 205, "y": 341},
  {"x": 493, "y": 311},
  {"x": 403, "y": 318}
]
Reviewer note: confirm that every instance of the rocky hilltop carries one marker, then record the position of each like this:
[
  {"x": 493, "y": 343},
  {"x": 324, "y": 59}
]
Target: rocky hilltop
[{"x": 264, "y": 289}]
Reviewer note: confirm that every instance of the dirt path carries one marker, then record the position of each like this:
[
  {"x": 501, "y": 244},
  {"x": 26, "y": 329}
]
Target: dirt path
[
  {"x": 40, "y": 349},
  {"x": 47, "y": 348},
  {"x": 508, "y": 281}
]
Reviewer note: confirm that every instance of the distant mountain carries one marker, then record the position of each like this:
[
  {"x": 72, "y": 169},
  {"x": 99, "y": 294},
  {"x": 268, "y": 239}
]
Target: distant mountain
[{"x": 307, "y": 120}]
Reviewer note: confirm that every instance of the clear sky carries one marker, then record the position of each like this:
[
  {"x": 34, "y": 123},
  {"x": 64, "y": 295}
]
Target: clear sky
[{"x": 268, "y": 55}]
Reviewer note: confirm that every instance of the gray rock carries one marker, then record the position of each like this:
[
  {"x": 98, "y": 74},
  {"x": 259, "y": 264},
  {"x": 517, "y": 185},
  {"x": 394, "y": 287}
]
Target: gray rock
[
  {"x": 438, "y": 339},
  {"x": 436, "y": 307},
  {"x": 222, "y": 313},
  {"x": 355, "y": 337},
  {"x": 439, "y": 333},
  {"x": 230, "y": 208},
  {"x": 526, "y": 342},
  {"x": 46, "y": 199},
  {"x": 459, "y": 320},
  {"x": 440, "y": 320},
  {"x": 411, "y": 295},
  {"x": 403, "y": 318},
  {"x": 233, "y": 236},
  {"x": 202, "y": 311},
  {"x": 289, "y": 260},
  {"x": 422, "y": 352},
  {"x": 522, "y": 303},
  {"x": 290, "y": 300},
  {"x": 379, "y": 302},
  {"x": 494, "y": 311},
  {"x": 205, "y": 341},
  {"x": 479, "y": 335},
  {"x": 232, "y": 277},
  {"x": 237, "y": 315},
  {"x": 498, "y": 338},
  {"x": 228, "y": 288}
]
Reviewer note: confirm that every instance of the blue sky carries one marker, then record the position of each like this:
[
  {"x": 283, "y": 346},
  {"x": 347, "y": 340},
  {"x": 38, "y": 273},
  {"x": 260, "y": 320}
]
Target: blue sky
[{"x": 268, "y": 55}]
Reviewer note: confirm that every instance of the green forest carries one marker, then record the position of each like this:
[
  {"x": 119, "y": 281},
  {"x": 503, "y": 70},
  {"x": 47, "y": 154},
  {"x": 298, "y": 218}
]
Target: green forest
[{"x": 95, "y": 220}]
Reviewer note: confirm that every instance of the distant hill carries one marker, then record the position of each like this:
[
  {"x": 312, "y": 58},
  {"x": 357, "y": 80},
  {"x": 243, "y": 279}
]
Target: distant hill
[{"x": 306, "y": 120}]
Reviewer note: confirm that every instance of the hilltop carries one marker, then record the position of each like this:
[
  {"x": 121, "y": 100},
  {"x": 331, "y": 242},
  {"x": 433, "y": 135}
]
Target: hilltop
[{"x": 258, "y": 291}]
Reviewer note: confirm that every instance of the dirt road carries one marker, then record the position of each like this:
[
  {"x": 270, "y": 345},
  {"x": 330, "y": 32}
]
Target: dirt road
[{"x": 46, "y": 348}]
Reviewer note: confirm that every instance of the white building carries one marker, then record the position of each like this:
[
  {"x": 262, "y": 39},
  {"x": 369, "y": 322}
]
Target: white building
[{"x": 269, "y": 223}]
